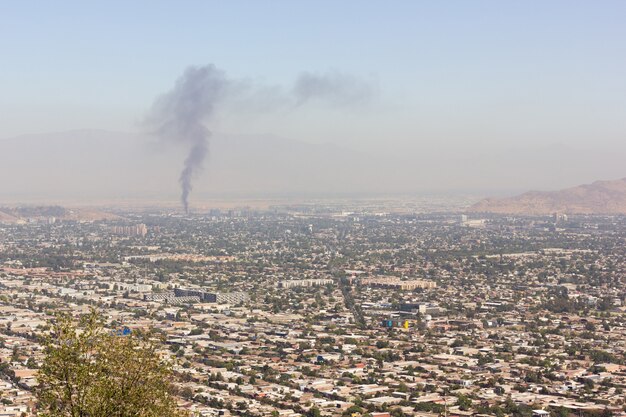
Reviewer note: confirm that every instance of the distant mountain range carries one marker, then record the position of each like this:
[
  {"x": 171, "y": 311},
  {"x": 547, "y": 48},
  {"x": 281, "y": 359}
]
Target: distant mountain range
[
  {"x": 600, "y": 197},
  {"x": 90, "y": 165},
  {"x": 87, "y": 167}
]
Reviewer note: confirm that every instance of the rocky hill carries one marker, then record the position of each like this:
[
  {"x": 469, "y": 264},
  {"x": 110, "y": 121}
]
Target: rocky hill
[
  {"x": 15, "y": 215},
  {"x": 600, "y": 197}
]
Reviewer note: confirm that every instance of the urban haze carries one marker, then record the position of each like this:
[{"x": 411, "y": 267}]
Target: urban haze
[{"x": 307, "y": 209}]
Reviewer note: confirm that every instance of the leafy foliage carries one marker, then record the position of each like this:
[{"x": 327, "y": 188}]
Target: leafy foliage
[{"x": 88, "y": 371}]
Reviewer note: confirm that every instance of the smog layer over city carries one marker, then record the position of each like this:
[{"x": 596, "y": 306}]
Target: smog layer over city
[{"x": 313, "y": 208}]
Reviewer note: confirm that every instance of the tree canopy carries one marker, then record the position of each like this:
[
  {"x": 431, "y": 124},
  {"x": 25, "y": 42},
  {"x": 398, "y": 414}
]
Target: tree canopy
[{"x": 91, "y": 372}]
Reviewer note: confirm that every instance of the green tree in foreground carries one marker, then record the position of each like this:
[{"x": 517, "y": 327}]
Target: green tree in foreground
[{"x": 88, "y": 372}]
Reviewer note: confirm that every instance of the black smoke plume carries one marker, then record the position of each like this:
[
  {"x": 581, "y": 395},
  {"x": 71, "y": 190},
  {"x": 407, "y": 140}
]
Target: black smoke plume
[{"x": 179, "y": 114}]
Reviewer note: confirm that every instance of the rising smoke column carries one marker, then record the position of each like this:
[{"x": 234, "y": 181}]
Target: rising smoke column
[{"x": 178, "y": 116}]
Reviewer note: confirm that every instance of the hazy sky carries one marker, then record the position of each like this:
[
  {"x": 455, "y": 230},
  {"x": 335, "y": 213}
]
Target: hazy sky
[{"x": 447, "y": 75}]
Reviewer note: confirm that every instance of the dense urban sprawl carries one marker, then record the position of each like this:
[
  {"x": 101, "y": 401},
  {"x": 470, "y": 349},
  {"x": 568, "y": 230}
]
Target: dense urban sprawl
[{"x": 305, "y": 311}]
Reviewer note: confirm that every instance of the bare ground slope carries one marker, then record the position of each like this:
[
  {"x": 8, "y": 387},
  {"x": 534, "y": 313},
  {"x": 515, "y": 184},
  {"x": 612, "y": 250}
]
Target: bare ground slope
[{"x": 600, "y": 197}]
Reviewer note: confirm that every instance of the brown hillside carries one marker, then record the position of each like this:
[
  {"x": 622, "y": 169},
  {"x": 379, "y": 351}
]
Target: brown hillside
[{"x": 600, "y": 197}]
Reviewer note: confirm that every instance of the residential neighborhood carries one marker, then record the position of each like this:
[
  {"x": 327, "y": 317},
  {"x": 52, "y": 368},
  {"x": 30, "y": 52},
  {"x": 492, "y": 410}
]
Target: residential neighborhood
[{"x": 314, "y": 311}]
